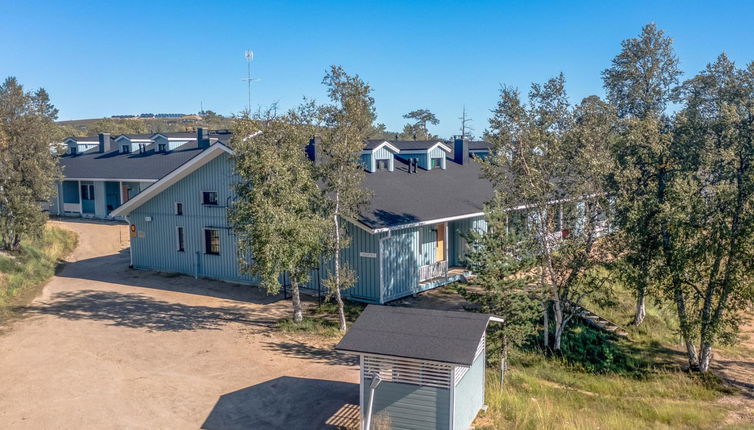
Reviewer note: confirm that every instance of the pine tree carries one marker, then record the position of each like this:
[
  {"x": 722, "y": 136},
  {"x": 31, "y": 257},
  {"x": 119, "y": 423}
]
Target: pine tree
[
  {"x": 28, "y": 167},
  {"x": 347, "y": 122},
  {"x": 277, "y": 216},
  {"x": 421, "y": 118}
]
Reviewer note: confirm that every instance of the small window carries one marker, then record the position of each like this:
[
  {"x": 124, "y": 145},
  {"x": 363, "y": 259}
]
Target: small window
[
  {"x": 125, "y": 149},
  {"x": 180, "y": 239},
  {"x": 212, "y": 241},
  {"x": 209, "y": 198},
  {"x": 87, "y": 192},
  {"x": 382, "y": 164},
  {"x": 178, "y": 208},
  {"x": 436, "y": 162},
  {"x": 162, "y": 147},
  {"x": 72, "y": 150}
]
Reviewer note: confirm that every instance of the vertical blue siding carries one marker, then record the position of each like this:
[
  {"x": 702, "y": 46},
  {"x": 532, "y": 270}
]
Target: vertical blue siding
[
  {"x": 407, "y": 406},
  {"x": 366, "y": 161},
  {"x": 155, "y": 247},
  {"x": 438, "y": 153},
  {"x": 469, "y": 395},
  {"x": 400, "y": 264},
  {"x": 422, "y": 156}
]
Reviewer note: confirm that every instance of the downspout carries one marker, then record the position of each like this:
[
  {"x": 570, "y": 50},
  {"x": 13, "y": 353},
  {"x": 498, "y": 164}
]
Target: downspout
[
  {"x": 382, "y": 275},
  {"x": 130, "y": 248},
  {"x": 372, "y": 387}
]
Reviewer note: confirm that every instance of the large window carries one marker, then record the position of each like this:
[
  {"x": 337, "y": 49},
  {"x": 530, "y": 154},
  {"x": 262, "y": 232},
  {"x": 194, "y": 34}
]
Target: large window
[
  {"x": 211, "y": 241},
  {"x": 209, "y": 198},
  {"x": 180, "y": 239}
]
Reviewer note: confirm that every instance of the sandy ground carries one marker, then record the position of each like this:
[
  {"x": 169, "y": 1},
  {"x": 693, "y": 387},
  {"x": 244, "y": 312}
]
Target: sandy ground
[
  {"x": 107, "y": 347},
  {"x": 738, "y": 370}
]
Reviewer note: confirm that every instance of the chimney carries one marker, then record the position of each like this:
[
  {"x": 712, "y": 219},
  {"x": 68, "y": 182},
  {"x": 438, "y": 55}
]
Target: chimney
[
  {"x": 202, "y": 139},
  {"x": 313, "y": 151},
  {"x": 104, "y": 142},
  {"x": 461, "y": 150}
]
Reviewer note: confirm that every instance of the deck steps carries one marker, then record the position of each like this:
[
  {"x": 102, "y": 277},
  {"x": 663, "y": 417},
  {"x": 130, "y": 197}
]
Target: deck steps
[{"x": 599, "y": 322}]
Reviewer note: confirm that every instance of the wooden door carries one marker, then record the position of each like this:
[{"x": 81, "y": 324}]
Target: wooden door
[{"x": 440, "y": 250}]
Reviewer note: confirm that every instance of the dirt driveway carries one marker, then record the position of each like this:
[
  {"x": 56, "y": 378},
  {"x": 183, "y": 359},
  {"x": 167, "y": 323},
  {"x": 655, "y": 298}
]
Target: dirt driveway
[{"x": 108, "y": 347}]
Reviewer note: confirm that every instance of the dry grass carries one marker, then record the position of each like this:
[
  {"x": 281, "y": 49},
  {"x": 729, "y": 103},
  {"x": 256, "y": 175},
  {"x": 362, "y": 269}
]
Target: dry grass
[{"x": 22, "y": 274}]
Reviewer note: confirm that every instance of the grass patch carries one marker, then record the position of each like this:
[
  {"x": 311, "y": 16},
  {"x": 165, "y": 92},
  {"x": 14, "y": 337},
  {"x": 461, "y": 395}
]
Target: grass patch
[
  {"x": 542, "y": 393},
  {"x": 321, "y": 320},
  {"x": 23, "y": 273}
]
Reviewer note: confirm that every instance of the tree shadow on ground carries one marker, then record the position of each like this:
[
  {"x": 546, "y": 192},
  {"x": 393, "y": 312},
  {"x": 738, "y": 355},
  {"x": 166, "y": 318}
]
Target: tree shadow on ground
[
  {"x": 141, "y": 311},
  {"x": 282, "y": 403},
  {"x": 304, "y": 351}
]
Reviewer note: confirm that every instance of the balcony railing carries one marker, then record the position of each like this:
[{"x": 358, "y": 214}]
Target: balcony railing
[{"x": 434, "y": 270}]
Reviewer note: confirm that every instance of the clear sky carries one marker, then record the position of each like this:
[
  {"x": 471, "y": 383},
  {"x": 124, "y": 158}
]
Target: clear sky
[{"x": 103, "y": 58}]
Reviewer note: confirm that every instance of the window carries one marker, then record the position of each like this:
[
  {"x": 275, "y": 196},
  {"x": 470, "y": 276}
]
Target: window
[
  {"x": 212, "y": 241},
  {"x": 162, "y": 147},
  {"x": 72, "y": 149},
  {"x": 209, "y": 197},
  {"x": 436, "y": 162},
  {"x": 87, "y": 192},
  {"x": 382, "y": 164},
  {"x": 125, "y": 149},
  {"x": 178, "y": 208},
  {"x": 180, "y": 239}
]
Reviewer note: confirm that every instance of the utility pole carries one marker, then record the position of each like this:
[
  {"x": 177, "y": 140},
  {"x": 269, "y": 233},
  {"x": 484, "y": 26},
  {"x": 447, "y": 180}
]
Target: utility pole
[{"x": 249, "y": 55}]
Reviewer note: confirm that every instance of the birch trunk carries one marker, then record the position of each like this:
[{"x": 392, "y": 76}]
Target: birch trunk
[
  {"x": 298, "y": 314},
  {"x": 338, "y": 297},
  {"x": 641, "y": 310}
]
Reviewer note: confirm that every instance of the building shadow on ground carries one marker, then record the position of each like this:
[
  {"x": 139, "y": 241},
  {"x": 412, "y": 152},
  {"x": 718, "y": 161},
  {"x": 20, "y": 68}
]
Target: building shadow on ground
[
  {"x": 304, "y": 351},
  {"x": 114, "y": 269},
  {"x": 282, "y": 403},
  {"x": 140, "y": 311}
]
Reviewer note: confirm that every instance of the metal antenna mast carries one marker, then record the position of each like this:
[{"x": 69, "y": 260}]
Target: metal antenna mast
[{"x": 249, "y": 58}]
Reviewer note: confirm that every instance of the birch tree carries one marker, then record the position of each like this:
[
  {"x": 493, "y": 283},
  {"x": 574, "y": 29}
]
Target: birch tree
[
  {"x": 538, "y": 158},
  {"x": 709, "y": 238},
  {"x": 640, "y": 83},
  {"x": 277, "y": 216},
  {"x": 28, "y": 167},
  {"x": 347, "y": 122}
]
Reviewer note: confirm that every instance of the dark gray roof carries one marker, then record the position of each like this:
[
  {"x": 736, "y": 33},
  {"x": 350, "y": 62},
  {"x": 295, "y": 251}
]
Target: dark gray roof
[
  {"x": 114, "y": 165},
  {"x": 422, "y": 334},
  {"x": 476, "y": 145},
  {"x": 85, "y": 138},
  {"x": 402, "y": 198},
  {"x": 373, "y": 143},
  {"x": 408, "y": 145}
]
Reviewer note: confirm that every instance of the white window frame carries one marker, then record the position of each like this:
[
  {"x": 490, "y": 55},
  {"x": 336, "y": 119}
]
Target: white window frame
[
  {"x": 175, "y": 208},
  {"x": 204, "y": 241},
  {"x": 180, "y": 230},
  {"x": 217, "y": 198},
  {"x": 162, "y": 147}
]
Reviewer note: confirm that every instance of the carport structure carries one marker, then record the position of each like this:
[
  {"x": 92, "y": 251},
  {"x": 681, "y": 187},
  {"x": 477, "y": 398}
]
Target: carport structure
[{"x": 420, "y": 368}]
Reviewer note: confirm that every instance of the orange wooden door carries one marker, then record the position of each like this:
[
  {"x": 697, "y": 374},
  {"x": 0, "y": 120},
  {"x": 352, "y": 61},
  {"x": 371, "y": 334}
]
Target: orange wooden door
[{"x": 440, "y": 250}]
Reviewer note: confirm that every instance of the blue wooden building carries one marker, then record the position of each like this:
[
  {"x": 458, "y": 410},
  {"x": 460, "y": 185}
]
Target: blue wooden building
[
  {"x": 426, "y": 195},
  {"x": 419, "y": 368}
]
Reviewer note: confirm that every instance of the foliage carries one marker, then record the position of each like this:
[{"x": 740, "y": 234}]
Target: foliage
[
  {"x": 117, "y": 126},
  {"x": 323, "y": 320},
  {"x": 31, "y": 266},
  {"x": 509, "y": 291},
  {"x": 277, "y": 214},
  {"x": 552, "y": 157},
  {"x": 708, "y": 239},
  {"x": 640, "y": 83},
  {"x": 421, "y": 118},
  {"x": 347, "y": 121},
  {"x": 545, "y": 394},
  {"x": 28, "y": 167}
]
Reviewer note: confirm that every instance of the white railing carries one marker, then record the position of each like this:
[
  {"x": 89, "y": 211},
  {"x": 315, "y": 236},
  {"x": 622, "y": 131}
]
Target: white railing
[
  {"x": 72, "y": 207},
  {"x": 434, "y": 270}
]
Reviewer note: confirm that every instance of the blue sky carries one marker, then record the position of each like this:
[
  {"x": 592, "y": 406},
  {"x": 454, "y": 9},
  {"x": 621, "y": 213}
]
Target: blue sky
[{"x": 100, "y": 58}]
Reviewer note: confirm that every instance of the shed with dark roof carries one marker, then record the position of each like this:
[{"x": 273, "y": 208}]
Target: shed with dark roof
[{"x": 420, "y": 368}]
